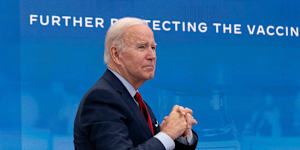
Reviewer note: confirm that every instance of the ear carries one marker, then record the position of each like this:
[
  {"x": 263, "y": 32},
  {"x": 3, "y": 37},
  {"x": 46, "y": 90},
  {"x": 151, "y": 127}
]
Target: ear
[{"x": 115, "y": 54}]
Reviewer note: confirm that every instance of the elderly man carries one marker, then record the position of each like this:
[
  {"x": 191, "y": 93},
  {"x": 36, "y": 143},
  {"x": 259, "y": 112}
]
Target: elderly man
[{"x": 112, "y": 115}]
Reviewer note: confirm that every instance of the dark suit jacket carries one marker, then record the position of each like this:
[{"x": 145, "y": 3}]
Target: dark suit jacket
[{"x": 109, "y": 119}]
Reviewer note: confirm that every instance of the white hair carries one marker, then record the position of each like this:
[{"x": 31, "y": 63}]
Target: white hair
[{"x": 115, "y": 33}]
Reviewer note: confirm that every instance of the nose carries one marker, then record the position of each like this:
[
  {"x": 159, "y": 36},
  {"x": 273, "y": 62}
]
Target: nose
[{"x": 151, "y": 54}]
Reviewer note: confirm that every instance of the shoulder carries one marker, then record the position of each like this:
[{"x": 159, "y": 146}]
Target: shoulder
[
  {"x": 100, "y": 97},
  {"x": 104, "y": 90}
]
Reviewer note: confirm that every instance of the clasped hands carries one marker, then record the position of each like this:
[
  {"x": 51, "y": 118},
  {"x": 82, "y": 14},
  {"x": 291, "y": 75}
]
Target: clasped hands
[{"x": 179, "y": 122}]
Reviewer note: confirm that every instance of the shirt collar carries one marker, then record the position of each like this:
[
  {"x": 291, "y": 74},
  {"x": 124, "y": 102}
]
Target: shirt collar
[{"x": 128, "y": 86}]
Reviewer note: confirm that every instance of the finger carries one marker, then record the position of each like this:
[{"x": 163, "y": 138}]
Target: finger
[
  {"x": 187, "y": 133},
  {"x": 166, "y": 117},
  {"x": 188, "y": 110},
  {"x": 176, "y": 110},
  {"x": 162, "y": 124},
  {"x": 190, "y": 120},
  {"x": 188, "y": 136},
  {"x": 181, "y": 110},
  {"x": 175, "y": 107},
  {"x": 194, "y": 121}
]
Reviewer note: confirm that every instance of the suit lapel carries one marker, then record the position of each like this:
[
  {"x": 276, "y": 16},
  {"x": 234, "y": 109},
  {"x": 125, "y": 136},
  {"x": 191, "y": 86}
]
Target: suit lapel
[
  {"x": 121, "y": 89},
  {"x": 155, "y": 123}
]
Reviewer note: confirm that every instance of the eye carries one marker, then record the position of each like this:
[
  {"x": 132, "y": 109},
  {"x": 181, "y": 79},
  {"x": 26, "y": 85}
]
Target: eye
[
  {"x": 141, "y": 46},
  {"x": 153, "y": 47}
]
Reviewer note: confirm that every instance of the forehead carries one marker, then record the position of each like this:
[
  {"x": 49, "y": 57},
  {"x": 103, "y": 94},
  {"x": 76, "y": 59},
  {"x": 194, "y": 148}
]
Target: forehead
[{"x": 141, "y": 33}]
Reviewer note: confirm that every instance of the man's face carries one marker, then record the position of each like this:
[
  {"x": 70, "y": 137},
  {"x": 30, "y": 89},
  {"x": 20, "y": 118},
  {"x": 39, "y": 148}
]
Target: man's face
[{"x": 138, "y": 57}]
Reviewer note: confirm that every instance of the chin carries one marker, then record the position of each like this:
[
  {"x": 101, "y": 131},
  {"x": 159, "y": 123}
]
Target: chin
[{"x": 149, "y": 76}]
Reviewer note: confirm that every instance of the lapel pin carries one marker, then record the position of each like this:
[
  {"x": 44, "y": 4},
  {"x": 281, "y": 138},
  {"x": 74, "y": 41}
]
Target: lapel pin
[{"x": 156, "y": 123}]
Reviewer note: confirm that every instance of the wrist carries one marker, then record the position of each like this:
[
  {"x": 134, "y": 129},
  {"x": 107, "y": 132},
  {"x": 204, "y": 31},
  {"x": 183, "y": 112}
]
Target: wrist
[{"x": 172, "y": 136}]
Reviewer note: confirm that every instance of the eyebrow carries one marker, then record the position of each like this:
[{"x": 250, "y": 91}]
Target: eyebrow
[{"x": 143, "y": 42}]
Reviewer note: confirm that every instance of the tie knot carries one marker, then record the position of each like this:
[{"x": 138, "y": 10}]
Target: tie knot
[{"x": 138, "y": 97}]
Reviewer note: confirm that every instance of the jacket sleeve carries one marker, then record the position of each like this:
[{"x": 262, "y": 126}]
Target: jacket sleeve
[{"x": 180, "y": 146}]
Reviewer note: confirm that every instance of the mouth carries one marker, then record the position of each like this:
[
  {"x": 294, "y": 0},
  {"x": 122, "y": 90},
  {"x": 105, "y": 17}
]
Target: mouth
[{"x": 149, "y": 67}]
